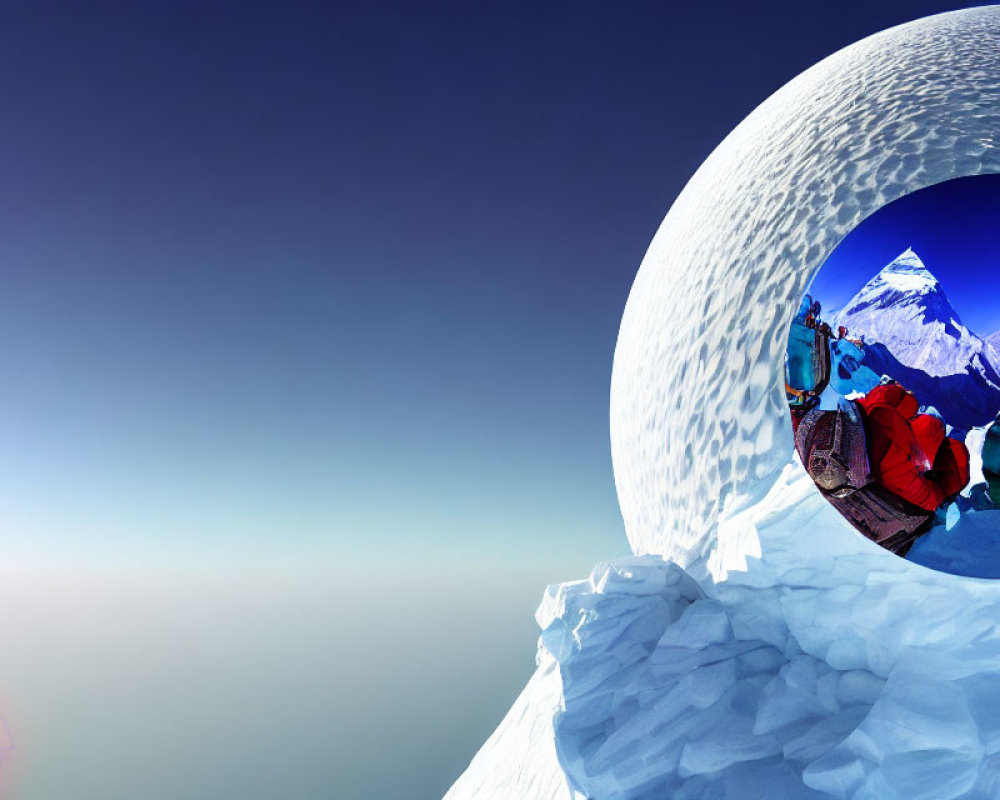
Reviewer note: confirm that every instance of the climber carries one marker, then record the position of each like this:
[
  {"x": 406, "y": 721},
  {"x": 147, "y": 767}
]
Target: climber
[
  {"x": 804, "y": 307},
  {"x": 882, "y": 465},
  {"x": 833, "y": 450},
  {"x": 807, "y": 365},
  {"x": 841, "y": 332}
]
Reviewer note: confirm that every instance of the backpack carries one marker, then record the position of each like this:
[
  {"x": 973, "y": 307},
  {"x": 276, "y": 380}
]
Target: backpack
[
  {"x": 911, "y": 454},
  {"x": 833, "y": 449},
  {"x": 991, "y": 462},
  {"x": 807, "y": 369},
  {"x": 885, "y": 518}
]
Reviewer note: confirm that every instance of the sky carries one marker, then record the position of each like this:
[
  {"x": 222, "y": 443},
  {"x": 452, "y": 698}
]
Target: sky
[
  {"x": 952, "y": 227},
  {"x": 324, "y": 294}
]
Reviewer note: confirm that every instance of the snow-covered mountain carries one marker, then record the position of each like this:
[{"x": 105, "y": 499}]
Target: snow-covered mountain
[
  {"x": 916, "y": 336},
  {"x": 905, "y": 308}
]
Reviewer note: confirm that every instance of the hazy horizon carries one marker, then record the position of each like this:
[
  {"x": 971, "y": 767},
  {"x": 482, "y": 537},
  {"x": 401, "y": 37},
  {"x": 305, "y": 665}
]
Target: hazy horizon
[{"x": 165, "y": 684}]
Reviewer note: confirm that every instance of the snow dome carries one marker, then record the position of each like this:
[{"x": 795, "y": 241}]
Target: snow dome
[
  {"x": 756, "y": 645},
  {"x": 699, "y": 426}
]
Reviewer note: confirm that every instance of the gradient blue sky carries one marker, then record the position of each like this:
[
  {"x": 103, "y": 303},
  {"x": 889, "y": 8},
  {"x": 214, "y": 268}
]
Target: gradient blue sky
[
  {"x": 954, "y": 229},
  {"x": 328, "y": 290},
  {"x": 343, "y": 281}
]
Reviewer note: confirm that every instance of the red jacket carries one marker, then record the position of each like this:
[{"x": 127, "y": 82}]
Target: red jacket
[{"x": 909, "y": 453}]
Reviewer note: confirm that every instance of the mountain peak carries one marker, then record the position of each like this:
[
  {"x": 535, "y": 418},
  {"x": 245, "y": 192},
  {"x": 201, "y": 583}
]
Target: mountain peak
[
  {"x": 907, "y": 273},
  {"x": 905, "y": 308},
  {"x": 903, "y": 282},
  {"x": 907, "y": 257}
]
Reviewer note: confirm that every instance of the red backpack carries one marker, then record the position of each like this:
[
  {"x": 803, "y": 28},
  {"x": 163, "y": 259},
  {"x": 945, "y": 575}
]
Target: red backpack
[{"x": 909, "y": 453}]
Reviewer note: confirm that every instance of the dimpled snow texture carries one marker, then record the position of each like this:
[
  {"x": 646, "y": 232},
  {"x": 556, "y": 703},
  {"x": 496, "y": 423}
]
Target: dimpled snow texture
[{"x": 698, "y": 417}]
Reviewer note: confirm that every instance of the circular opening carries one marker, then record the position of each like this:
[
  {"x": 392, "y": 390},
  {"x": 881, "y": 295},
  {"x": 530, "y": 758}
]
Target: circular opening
[{"x": 892, "y": 376}]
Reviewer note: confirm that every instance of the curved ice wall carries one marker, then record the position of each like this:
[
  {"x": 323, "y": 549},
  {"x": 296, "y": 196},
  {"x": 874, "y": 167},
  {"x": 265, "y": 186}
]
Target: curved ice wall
[{"x": 699, "y": 422}]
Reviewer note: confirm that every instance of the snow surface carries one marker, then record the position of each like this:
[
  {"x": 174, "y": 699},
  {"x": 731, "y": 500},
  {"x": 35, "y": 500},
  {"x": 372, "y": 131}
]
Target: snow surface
[
  {"x": 968, "y": 546},
  {"x": 781, "y": 654},
  {"x": 519, "y": 759}
]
